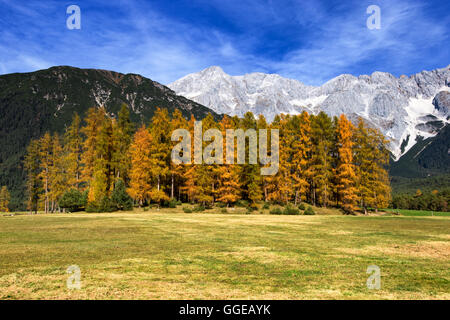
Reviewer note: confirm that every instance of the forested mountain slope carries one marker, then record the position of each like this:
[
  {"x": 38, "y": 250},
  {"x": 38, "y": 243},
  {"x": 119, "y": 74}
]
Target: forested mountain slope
[{"x": 45, "y": 100}]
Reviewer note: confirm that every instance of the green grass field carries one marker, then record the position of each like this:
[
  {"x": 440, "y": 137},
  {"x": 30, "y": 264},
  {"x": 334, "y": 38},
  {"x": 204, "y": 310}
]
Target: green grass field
[
  {"x": 169, "y": 254},
  {"x": 418, "y": 213}
]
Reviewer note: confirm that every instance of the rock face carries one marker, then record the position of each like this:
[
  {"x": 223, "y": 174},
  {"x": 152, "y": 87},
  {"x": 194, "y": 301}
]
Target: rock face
[
  {"x": 397, "y": 106},
  {"x": 442, "y": 102}
]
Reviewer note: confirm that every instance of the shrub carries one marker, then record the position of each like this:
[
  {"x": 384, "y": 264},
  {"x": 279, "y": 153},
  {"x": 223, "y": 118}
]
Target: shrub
[
  {"x": 164, "y": 203},
  {"x": 276, "y": 211},
  {"x": 172, "y": 203},
  {"x": 208, "y": 205},
  {"x": 106, "y": 205},
  {"x": 120, "y": 198},
  {"x": 242, "y": 203},
  {"x": 73, "y": 200},
  {"x": 160, "y": 197},
  {"x": 252, "y": 207},
  {"x": 266, "y": 206},
  {"x": 290, "y": 210},
  {"x": 199, "y": 208},
  {"x": 221, "y": 204},
  {"x": 187, "y": 210},
  {"x": 223, "y": 210},
  {"x": 301, "y": 206},
  {"x": 309, "y": 212},
  {"x": 92, "y": 207},
  {"x": 179, "y": 203}
]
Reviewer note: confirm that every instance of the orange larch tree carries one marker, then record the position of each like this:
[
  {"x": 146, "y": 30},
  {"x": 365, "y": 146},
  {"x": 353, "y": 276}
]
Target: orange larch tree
[
  {"x": 140, "y": 172},
  {"x": 345, "y": 172}
]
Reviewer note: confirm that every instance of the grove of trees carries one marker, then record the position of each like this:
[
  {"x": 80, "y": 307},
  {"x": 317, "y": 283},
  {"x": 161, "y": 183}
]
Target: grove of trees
[
  {"x": 104, "y": 163},
  {"x": 5, "y": 197},
  {"x": 430, "y": 201}
]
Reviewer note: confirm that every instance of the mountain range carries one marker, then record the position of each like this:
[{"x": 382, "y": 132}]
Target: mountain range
[{"x": 407, "y": 109}]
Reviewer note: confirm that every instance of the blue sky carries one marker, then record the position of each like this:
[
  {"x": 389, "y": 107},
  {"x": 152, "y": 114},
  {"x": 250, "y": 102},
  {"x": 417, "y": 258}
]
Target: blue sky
[{"x": 311, "y": 41}]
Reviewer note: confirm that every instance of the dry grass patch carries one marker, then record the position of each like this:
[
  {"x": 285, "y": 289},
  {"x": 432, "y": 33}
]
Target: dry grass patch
[{"x": 426, "y": 249}]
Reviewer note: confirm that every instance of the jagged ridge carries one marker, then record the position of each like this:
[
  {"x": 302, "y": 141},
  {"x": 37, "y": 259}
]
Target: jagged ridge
[{"x": 401, "y": 107}]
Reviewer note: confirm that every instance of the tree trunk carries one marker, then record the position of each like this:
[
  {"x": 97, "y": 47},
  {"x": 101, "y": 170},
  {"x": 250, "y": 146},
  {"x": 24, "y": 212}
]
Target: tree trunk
[
  {"x": 172, "y": 188},
  {"x": 46, "y": 202}
]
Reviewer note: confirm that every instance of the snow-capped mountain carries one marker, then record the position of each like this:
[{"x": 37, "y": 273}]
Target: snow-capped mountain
[{"x": 403, "y": 108}]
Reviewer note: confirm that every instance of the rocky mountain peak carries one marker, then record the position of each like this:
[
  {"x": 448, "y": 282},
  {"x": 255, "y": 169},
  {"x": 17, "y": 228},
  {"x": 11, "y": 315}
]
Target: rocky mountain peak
[{"x": 399, "y": 107}]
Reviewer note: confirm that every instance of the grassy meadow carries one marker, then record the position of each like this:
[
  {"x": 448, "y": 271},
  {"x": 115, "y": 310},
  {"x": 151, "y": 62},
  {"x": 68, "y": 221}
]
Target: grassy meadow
[
  {"x": 418, "y": 213},
  {"x": 169, "y": 254}
]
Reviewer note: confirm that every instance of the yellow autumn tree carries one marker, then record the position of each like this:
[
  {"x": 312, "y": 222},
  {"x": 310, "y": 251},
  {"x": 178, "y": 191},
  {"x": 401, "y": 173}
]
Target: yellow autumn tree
[
  {"x": 301, "y": 156},
  {"x": 346, "y": 178},
  {"x": 207, "y": 174},
  {"x": 321, "y": 159},
  {"x": 32, "y": 167},
  {"x": 91, "y": 130},
  {"x": 190, "y": 187},
  {"x": 140, "y": 172},
  {"x": 102, "y": 181},
  {"x": 122, "y": 136},
  {"x": 177, "y": 171},
  {"x": 5, "y": 197},
  {"x": 45, "y": 156},
  {"x": 381, "y": 187},
  {"x": 160, "y": 153},
  {"x": 73, "y": 144},
  {"x": 59, "y": 180},
  {"x": 229, "y": 189},
  {"x": 371, "y": 158},
  {"x": 261, "y": 124},
  {"x": 280, "y": 185},
  {"x": 250, "y": 174}
]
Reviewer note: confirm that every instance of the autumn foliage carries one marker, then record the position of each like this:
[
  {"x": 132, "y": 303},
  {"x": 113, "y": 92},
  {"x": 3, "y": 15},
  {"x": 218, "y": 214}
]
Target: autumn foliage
[{"x": 323, "y": 161}]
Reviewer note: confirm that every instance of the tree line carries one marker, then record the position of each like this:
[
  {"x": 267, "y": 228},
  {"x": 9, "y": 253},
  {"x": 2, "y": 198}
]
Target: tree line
[
  {"x": 431, "y": 201},
  {"x": 104, "y": 163}
]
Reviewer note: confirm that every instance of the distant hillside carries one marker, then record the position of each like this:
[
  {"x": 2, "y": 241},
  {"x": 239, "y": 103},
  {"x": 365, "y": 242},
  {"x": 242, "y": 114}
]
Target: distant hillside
[
  {"x": 424, "y": 166},
  {"x": 45, "y": 100}
]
